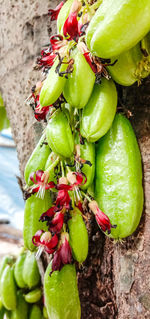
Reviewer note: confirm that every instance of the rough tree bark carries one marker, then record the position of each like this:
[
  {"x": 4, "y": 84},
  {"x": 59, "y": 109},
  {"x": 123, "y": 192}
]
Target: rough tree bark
[{"x": 114, "y": 282}]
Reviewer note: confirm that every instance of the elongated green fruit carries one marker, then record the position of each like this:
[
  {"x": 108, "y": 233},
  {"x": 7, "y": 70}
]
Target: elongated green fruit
[
  {"x": 87, "y": 152},
  {"x": 8, "y": 290},
  {"x": 35, "y": 312},
  {"x": 117, "y": 26},
  {"x": 37, "y": 159},
  {"x": 98, "y": 114},
  {"x": 78, "y": 236},
  {"x": 21, "y": 312},
  {"x": 63, "y": 15},
  {"x": 18, "y": 271},
  {"x": 61, "y": 293},
  {"x": 79, "y": 86},
  {"x": 53, "y": 85},
  {"x": 31, "y": 217},
  {"x": 119, "y": 189},
  {"x": 59, "y": 135},
  {"x": 33, "y": 296},
  {"x": 31, "y": 274},
  {"x": 132, "y": 65},
  {"x": 6, "y": 260}
]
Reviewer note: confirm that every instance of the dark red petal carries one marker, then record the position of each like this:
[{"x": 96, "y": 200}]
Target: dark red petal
[
  {"x": 81, "y": 178},
  {"x": 80, "y": 206},
  {"x": 57, "y": 223},
  {"x": 50, "y": 246},
  {"x": 54, "y": 12},
  {"x": 47, "y": 60},
  {"x": 39, "y": 175},
  {"x": 50, "y": 185},
  {"x": 87, "y": 56},
  {"x": 64, "y": 187},
  {"x": 65, "y": 252},
  {"x": 71, "y": 26},
  {"x": 48, "y": 214},
  {"x": 40, "y": 114},
  {"x": 103, "y": 221},
  {"x": 63, "y": 199},
  {"x": 36, "y": 238},
  {"x": 56, "y": 41},
  {"x": 56, "y": 263}
]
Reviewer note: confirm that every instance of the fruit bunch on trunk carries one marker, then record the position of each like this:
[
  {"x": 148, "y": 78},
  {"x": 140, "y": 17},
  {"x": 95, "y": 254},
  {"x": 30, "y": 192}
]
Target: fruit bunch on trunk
[{"x": 88, "y": 149}]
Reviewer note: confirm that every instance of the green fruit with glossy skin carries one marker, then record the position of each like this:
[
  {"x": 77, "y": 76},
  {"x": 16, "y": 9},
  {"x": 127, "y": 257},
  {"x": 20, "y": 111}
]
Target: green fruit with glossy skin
[
  {"x": 87, "y": 152},
  {"x": 98, "y": 114},
  {"x": 78, "y": 236},
  {"x": 61, "y": 293},
  {"x": 36, "y": 312},
  {"x": 117, "y": 26},
  {"x": 8, "y": 289},
  {"x": 32, "y": 214},
  {"x": 131, "y": 66},
  {"x": 18, "y": 271},
  {"x": 37, "y": 159},
  {"x": 63, "y": 15},
  {"x": 59, "y": 135},
  {"x": 33, "y": 296},
  {"x": 53, "y": 85},
  {"x": 118, "y": 190},
  {"x": 6, "y": 260},
  {"x": 79, "y": 86},
  {"x": 21, "y": 312},
  {"x": 31, "y": 273}
]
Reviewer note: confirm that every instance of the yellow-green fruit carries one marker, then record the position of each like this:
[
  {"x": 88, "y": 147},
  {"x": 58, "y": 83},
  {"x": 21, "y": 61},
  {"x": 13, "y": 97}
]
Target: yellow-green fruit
[
  {"x": 21, "y": 311},
  {"x": 18, "y": 272},
  {"x": 35, "y": 313},
  {"x": 118, "y": 187},
  {"x": 32, "y": 214},
  {"x": 8, "y": 289},
  {"x": 31, "y": 273},
  {"x": 33, "y": 296}
]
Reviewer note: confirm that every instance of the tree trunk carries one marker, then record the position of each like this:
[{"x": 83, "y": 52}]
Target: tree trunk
[{"x": 114, "y": 281}]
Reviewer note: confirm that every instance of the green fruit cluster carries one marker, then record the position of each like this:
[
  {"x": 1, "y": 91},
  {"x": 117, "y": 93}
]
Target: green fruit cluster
[
  {"x": 20, "y": 287},
  {"x": 87, "y": 149}
]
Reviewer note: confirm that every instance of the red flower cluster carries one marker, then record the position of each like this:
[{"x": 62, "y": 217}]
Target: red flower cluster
[{"x": 54, "y": 12}]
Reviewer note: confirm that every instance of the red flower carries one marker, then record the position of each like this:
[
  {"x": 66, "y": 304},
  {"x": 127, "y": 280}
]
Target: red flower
[
  {"x": 45, "y": 240},
  {"x": 71, "y": 26},
  {"x": 102, "y": 219},
  {"x": 40, "y": 113},
  {"x": 47, "y": 58},
  {"x": 54, "y": 12},
  {"x": 57, "y": 41},
  {"x": 40, "y": 179},
  {"x": 63, "y": 198},
  {"x": 57, "y": 222},
  {"x": 63, "y": 255}
]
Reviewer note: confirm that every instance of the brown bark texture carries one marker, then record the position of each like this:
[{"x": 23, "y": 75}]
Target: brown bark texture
[{"x": 114, "y": 282}]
